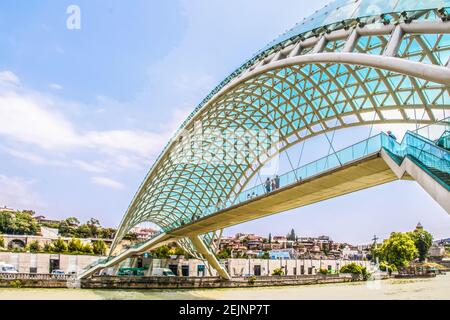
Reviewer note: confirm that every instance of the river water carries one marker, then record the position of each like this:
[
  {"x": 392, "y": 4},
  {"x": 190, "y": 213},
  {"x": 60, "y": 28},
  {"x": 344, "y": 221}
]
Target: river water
[{"x": 434, "y": 288}]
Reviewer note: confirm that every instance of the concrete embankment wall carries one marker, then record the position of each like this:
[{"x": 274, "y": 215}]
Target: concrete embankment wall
[
  {"x": 35, "y": 283},
  {"x": 208, "y": 282}
]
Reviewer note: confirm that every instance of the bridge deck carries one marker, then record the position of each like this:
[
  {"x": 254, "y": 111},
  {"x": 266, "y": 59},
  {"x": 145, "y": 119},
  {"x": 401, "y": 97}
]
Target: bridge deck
[{"x": 367, "y": 172}]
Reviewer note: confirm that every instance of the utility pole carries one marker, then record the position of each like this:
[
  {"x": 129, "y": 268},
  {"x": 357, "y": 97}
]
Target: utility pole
[{"x": 375, "y": 238}]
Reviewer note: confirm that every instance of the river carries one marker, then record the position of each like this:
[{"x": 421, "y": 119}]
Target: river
[{"x": 432, "y": 288}]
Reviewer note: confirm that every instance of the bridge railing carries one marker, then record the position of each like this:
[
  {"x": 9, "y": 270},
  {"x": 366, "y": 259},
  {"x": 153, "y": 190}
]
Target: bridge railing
[{"x": 413, "y": 144}]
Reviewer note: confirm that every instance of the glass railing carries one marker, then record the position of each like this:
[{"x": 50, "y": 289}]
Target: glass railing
[
  {"x": 434, "y": 131},
  {"x": 320, "y": 166},
  {"x": 422, "y": 148}
]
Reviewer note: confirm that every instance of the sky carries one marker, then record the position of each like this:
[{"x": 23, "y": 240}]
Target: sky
[{"x": 85, "y": 111}]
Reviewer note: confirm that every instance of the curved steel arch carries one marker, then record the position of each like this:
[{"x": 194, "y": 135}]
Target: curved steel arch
[{"x": 296, "y": 88}]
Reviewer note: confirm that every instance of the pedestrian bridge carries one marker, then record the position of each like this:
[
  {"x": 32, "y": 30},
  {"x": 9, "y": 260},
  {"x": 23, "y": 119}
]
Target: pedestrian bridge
[
  {"x": 371, "y": 162},
  {"x": 352, "y": 63}
]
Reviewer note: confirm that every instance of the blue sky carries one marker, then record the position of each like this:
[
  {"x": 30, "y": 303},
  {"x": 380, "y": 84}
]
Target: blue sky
[{"x": 83, "y": 113}]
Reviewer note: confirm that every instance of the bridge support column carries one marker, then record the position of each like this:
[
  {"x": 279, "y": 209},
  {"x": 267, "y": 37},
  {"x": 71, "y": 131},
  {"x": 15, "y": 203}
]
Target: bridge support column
[{"x": 210, "y": 257}]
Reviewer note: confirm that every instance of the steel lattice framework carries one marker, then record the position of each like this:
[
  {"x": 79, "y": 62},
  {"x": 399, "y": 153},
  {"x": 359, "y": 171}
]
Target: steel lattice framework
[{"x": 350, "y": 64}]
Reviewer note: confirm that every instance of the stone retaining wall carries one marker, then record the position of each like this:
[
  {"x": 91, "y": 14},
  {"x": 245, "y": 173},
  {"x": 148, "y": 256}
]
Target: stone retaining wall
[{"x": 110, "y": 282}]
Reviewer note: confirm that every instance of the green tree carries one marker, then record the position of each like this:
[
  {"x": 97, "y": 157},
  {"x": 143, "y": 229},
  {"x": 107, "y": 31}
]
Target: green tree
[
  {"x": 34, "y": 246},
  {"x": 7, "y": 225},
  {"x": 2, "y": 242},
  {"x": 99, "y": 247},
  {"x": 94, "y": 226},
  {"x": 59, "y": 246},
  {"x": 398, "y": 250},
  {"x": 107, "y": 233},
  {"x": 87, "y": 249},
  {"x": 48, "y": 247},
  {"x": 224, "y": 253},
  {"x": 423, "y": 241},
  {"x": 270, "y": 238},
  {"x": 355, "y": 269},
  {"x": 83, "y": 231},
  {"x": 75, "y": 245},
  {"x": 65, "y": 229},
  {"x": 18, "y": 223},
  {"x": 72, "y": 221},
  {"x": 161, "y": 252}
]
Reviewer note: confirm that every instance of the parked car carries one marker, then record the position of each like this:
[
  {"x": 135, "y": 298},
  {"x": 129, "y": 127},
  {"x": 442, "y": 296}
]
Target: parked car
[
  {"x": 58, "y": 272},
  {"x": 162, "y": 272},
  {"x": 7, "y": 268}
]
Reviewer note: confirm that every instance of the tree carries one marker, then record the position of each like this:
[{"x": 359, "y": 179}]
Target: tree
[
  {"x": 87, "y": 249},
  {"x": 59, "y": 246},
  {"x": 83, "y": 231},
  {"x": 423, "y": 241},
  {"x": 398, "y": 250},
  {"x": 93, "y": 225},
  {"x": 355, "y": 269},
  {"x": 2, "y": 242},
  {"x": 18, "y": 223},
  {"x": 75, "y": 245},
  {"x": 48, "y": 247},
  {"x": 73, "y": 222},
  {"x": 99, "y": 247},
  {"x": 34, "y": 246},
  {"x": 270, "y": 238},
  {"x": 65, "y": 229},
  {"x": 224, "y": 253},
  {"x": 161, "y": 252}
]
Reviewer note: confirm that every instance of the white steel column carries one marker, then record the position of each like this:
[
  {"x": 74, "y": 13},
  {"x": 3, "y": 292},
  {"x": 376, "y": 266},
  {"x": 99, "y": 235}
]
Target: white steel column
[
  {"x": 210, "y": 257},
  {"x": 394, "y": 42}
]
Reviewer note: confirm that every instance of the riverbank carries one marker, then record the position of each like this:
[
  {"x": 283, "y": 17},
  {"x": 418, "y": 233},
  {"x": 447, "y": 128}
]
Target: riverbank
[
  {"x": 437, "y": 288},
  {"x": 142, "y": 283},
  {"x": 210, "y": 282}
]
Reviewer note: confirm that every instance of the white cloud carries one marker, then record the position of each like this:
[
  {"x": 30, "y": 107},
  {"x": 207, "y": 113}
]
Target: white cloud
[
  {"x": 107, "y": 182},
  {"x": 18, "y": 193},
  {"x": 55, "y": 86},
  {"x": 38, "y": 126},
  {"x": 8, "y": 77}
]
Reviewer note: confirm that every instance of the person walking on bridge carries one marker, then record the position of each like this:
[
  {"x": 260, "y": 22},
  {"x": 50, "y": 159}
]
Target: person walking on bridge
[
  {"x": 277, "y": 181},
  {"x": 267, "y": 184}
]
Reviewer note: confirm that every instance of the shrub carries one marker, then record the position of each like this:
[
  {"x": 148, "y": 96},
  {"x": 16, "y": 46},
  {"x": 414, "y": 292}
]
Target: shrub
[
  {"x": 87, "y": 248},
  {"x": 16, "y": 283},
  {"x": 355, "y": 269},
  {"x": 252, "y": 280},
  {"x": 75, "y": 245},
  {"x": 323, "y": 271},
  {"x": 34, "y": 246},
  {"x": 59, "y": 246},
  {"x": 278, "y": 272},
  {"x": 384, "y": 266},
  {"x": 99, "y": 247},
  {"x": 2, "y": 242}
]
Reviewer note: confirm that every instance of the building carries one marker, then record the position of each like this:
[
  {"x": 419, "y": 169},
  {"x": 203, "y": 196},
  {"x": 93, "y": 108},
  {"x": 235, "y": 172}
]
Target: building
[
  {"x": 6, "y": 209},
  {"x": 436, "y": 251},
  {"x": 43, "y": 219},
  {"x": 143, "y": 233}
]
